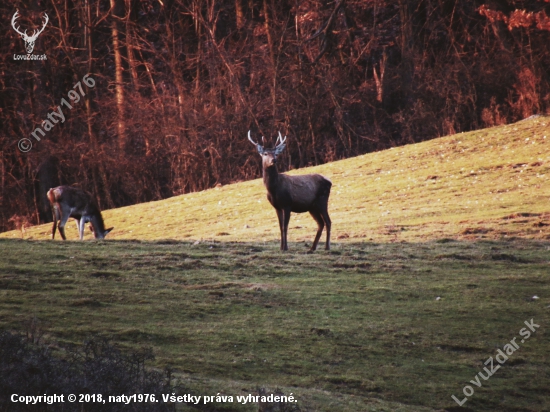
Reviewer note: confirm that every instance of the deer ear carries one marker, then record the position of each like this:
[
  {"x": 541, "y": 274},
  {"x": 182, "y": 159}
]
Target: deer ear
[
  {"x": 261, "y": 149},
  {"x": 279, "y": 149}
]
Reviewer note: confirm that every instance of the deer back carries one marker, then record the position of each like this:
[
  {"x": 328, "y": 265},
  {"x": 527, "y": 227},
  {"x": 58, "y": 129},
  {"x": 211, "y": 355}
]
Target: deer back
[{"x": 78, "y": 201}]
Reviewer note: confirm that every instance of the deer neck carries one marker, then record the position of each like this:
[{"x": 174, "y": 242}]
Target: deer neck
[
  {"x": 271, "y": 177},
  {"x": 98, "y": 225}
]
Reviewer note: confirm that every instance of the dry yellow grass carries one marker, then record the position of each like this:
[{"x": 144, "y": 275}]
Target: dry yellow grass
[{"x": 490, "y": 183}]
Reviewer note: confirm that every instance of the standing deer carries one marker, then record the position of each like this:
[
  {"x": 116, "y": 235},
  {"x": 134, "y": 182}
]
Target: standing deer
[
  {"x": 68, "y": 201},
  {"x": 299, "y": 194}
]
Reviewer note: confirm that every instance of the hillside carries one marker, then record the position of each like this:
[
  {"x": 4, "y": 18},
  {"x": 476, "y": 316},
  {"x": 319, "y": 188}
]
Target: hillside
[
  {"x": 168, "y": 92},
  {"x": 490, "y": 183}
]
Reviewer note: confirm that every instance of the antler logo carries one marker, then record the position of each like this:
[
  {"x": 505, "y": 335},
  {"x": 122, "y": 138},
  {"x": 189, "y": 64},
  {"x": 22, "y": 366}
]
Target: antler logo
[{"x": 29, "y": 40}]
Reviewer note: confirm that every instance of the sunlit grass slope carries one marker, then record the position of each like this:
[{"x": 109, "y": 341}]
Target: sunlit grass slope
[{"x": 490, "y": 183}]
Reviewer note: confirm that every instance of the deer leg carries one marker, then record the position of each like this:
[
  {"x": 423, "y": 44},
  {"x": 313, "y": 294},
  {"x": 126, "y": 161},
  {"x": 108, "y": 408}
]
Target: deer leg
[
  {"x": 63, "y": 221},
  {"x": 328, "y": 223},
  {"x": 286, "y": 214},
  {"x": 323, "y": 213},
  {"x": 55, "y": 213},
  {"x": 280, "y": 216},
  {"x": 81, "y": 225},
  {"x": 320, "y": 225}
]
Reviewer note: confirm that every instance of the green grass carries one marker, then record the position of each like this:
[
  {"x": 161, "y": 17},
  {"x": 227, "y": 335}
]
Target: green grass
[{"x": 199, "y": 277}]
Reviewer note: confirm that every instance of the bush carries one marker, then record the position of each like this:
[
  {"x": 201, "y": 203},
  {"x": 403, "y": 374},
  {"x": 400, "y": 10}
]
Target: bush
[{"x": 95, "y": 368}]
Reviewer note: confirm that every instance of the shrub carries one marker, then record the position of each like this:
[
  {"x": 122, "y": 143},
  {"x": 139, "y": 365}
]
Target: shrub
[{"x": 97, "y": 367}]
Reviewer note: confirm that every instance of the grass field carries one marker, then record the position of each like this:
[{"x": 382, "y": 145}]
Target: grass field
[{"x": 440, "y": 253}]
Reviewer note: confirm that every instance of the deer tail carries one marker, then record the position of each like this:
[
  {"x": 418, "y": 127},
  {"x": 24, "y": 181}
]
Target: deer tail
[{"x": 51, "y": 196}]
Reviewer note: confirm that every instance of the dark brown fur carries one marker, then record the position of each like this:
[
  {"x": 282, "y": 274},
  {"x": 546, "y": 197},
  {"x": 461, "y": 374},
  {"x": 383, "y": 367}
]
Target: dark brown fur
[
  {"x": 68, "y": 201},
  {"x": 299, "y": 194}
]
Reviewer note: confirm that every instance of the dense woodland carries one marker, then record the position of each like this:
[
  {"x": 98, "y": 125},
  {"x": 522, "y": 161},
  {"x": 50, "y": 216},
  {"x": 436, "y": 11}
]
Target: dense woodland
[{"x": 178, "y": 84}]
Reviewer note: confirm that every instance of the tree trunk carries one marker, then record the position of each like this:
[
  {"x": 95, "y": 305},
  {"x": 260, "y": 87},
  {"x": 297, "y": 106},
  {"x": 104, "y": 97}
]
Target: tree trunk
[
  {"x": 239, "y": 14},
  {"x": 89, "y": 120},
  {"x": 267, "y": 24},
  {"x": 119, "y": 90},
  {"x": 130, "y": 48}
]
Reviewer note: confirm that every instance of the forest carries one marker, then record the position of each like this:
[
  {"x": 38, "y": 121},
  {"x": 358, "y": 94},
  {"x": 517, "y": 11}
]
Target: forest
[{"x": 144, "y": 100}]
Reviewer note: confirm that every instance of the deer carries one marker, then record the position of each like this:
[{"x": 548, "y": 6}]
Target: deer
[
  {"x": 68, "y": 201},
  {"x": 29, "y": 40},
  {"x": 298, "y": 194}
]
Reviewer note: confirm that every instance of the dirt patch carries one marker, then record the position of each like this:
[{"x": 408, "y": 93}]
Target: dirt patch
[
  {"x": 508, "y": 258},
  {"x": 476, "y": 231},
  {"x": 461, "y": 348},
  {"x": 233, "y": 285},
  {"x": 91, "y": 302},
  {"x": 518, "y": 215},
  {"x": 104, "y": 275}
]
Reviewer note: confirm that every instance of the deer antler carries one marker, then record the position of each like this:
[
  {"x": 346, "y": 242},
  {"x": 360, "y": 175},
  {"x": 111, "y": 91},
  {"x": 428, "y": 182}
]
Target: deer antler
[
  {"x": 259, "y": 146},
  {"x": 250, "y": 138},
  {"x": 35, "y": 32},
  {"x": 280, "y": 141},
  {"x": 15, "y": 16}
]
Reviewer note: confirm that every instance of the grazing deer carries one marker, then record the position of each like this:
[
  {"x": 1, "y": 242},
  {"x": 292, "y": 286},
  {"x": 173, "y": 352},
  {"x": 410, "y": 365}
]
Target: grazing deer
[
  {"x": 299, "y": 194},
  {"x": 68, "y": 201}
]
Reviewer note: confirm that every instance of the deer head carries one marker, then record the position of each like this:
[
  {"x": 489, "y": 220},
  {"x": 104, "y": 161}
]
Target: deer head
[
  {"x": 29, "y": 40},
  {"x": 269, "y": 156}
]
